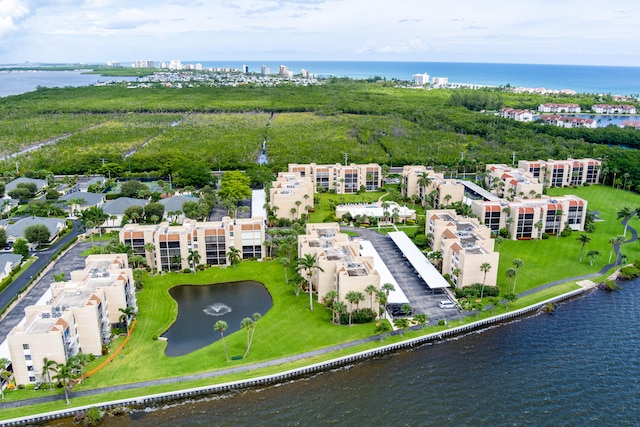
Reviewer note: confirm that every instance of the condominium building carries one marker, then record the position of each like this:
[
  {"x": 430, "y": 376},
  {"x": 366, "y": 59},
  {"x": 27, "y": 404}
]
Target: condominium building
[
  {"x": 346, "y": 179},
  {"x": 431, "y": 187},
  {"x": 465, "y": 245},
  {"x": 421, "y": 79},
  {"x": 342, "y": 267},
  {"x": 517, "y": 115},
  {"x": 290, "y": 195},
  {"x": 505, "y": 181},
  {"x": 559, "y": 108},
  {"x": 563, "y": 173},
  {"x": 173, "y": 244},
  {"x": 529, "y": 218},
  {"x": 78, "y": 318},
  {"x": 569, "y": 122},
  {"x": 613, "y": 109}
]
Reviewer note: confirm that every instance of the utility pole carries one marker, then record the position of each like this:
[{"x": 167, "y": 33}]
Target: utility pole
[
  {"x": 513, "y": 158},
  {"x": 346, "y": 159},
  {"x": 17, "y": 172}
]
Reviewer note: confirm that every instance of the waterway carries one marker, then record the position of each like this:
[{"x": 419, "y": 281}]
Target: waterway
[{"x": 577, "y": 367}]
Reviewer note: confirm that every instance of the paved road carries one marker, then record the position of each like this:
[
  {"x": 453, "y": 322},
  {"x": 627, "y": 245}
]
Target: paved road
[{"x": 44, "y": 257}]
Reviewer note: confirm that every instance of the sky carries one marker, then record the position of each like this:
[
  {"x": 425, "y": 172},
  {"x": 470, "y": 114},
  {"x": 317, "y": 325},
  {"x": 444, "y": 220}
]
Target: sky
[{"x": 581, "y": 32}]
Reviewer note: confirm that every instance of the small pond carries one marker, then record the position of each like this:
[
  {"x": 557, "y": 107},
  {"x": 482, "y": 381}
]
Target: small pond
[{"x": 201, "y": 306}]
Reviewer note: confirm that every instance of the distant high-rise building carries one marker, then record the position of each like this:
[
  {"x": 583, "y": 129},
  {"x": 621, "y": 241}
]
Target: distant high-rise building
[
  {"x": 421, "y": 79},
  {"x": 245, "y": 69},
  {"x": 113, "y": 63},
  {"x": 304, "y": 73},
  {"x": 440, "y": 81},
  {"x": 264, "y": 70}
]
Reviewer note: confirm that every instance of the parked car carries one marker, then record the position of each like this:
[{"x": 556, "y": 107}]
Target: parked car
[{"x": 446, "y": 304}]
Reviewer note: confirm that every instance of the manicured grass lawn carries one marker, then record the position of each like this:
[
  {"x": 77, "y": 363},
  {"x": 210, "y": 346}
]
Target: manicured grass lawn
[
  {"x": 288, "y": 328},
  {"x": 553, "y": 259},
  {"x": 322, "y": 207}
]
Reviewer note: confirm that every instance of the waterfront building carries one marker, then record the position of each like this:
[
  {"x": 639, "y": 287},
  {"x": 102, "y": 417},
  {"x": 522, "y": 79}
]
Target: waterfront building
[
  {"x": 559, "y": 108},
  {"x": 440, "y": 81},
  {"x": 421, "y": 79},
  {"x": 173, "y": 244},
  {"x": 517, "y": 115},
  {"x": 431, "y": 187},
  {"x": 613, "y": 109},
  {"x": 630, "y": 124},
  {"x": 533, "y": 175},
  {"x": 291, "y": 194},
  {"x": 342, "y": 266},
  {"x": 568, "y": 122},
  {"x": 78, "y": 318},
  {"x": 264, "y": 70},
  {"x": 347, "y": 179},
  {"x": 527, "y": 219},
  {"x": 465, "y": 245}
]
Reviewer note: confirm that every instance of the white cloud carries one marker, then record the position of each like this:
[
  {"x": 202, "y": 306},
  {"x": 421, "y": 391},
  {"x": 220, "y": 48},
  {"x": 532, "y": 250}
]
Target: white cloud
[
  {"x": 11, "y": 12},
  {"x": 319, "y": 29}
]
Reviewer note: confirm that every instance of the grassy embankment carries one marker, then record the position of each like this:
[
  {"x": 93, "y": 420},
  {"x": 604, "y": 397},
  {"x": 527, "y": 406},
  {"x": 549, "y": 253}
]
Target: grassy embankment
[{"x": 278, "y": 333}]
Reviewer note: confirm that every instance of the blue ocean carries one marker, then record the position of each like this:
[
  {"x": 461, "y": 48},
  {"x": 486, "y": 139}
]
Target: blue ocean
[{"x": 580, "y": 78}]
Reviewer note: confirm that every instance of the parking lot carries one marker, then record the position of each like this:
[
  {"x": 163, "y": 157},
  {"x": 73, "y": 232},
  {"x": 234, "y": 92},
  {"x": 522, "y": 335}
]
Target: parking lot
[{"x": 421, "y": 298}]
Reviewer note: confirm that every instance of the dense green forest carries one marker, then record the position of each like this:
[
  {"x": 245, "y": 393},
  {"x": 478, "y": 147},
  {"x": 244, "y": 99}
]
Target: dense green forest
[{"x": 149, "y": 129}]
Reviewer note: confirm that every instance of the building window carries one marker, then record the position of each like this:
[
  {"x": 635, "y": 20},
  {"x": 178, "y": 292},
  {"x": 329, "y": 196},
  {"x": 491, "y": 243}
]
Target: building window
[
  {"x": 25, "y": 346},
  {"x": 32, "y": 379},
  {"x": 27, "y": 357},
  {"x": 30, "y": 368}
]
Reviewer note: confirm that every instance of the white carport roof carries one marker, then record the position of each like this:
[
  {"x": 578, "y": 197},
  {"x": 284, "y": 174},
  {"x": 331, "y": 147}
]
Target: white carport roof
[
  {"x": 425, "y": 269},
  {"x": 396, "y": 296}
]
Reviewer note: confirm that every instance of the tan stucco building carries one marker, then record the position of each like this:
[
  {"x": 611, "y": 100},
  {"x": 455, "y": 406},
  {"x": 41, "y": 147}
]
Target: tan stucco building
[
  {"x": 344, "y": 268},
  {"x": 438, "y": 191},
  {"x": 291, "y": 194},
  {"x": 347, "y": 179},
  {"x": 465, "y": 245},
  {"x": 78, "y": 318},
  {"x": 211, "y": 239}
]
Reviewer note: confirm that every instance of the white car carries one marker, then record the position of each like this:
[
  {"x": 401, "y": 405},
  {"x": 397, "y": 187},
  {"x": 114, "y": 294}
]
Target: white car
[{"x": 446, "y": 304}]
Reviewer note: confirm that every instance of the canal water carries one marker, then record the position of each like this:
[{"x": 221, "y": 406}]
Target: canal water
[{"x": 577, "y": 367}]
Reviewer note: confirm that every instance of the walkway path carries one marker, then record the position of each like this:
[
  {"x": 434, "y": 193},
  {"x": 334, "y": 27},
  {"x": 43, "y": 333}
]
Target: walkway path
[{"x": 275, "y": 362}]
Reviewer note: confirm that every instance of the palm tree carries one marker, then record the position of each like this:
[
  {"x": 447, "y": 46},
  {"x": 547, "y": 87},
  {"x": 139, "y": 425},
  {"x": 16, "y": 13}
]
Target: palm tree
[
  {"x": 406, "y": 309},
  {"x": 485, "y": 267},
  {"x": 354, "y": 298},
  {"x": 308, "y": 263},
  {"x": 47, "y": 366},
  {"x": 66, "y": 373},
  {"x": 386, "y": 288},
  {"x": 592, "y": 255},
  {"x": 222, "y": 326},
  {"x": 298, "y": 203},
  {"x": 247, "y": 324},
  {"x": 285, "y": 261},
  {"x": 370, "y": 290},
  {"x": 175, "y": 260},
  {"x": 233, "y": 255},
  {"x": 612, "y": 242},
  {"x": 619, "y": 240},
  {"x": 4, "y": 374},
  {"x": 330, "y": 299},
  {"x": 194, "y": 259},
  {"x": 256, "y": 317},
  {"x": 340, "y": 308},
  {"x": 128, "y": 314},
  {"x": 538, "y": 226},
  {"x": 583, "y": 240},
  {"x": 151, "y": 249},
  {"x": 424, "y": 180},
  {"x": 625, "y": 214},
  {"x": 517, "y": 263},
  {"x": 499, "y": 241}
]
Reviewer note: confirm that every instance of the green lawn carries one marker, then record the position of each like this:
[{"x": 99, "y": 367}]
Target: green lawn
[
  {"x": 329, "y": 199},
  {"x": 553, "y": 259}
]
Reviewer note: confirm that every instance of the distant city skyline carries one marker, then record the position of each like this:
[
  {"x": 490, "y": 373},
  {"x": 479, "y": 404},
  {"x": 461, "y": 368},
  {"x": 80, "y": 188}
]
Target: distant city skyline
[{"x": 545, "y": 32}]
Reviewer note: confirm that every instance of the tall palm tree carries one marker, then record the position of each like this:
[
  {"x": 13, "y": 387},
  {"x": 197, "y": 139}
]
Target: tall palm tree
[
  {"x": 256, "y": 317},
  {"x": 308, "y": 263},
  {"x": 330, "y": 299},
  {"x": 175, "y": 260},
  {"x": 354, "y": 298},
  {"x": 386, "y": 288},
  {"x": 66, "y": 373},
  {"x": 247, "y": 324},
  {"x": 285, "y": 261},
  {"x": 233, "y": 255},
  {"x": 194, "y": 259},
  {"x": 485, "y": 267},
  {"x": 222, "y": 326},
  {"x": 510, "y": 273},
  {"x": 340, "y": 308},
  {"x": 499, "y": 241},
  {"x": 517, "y": 263},
  {"x": 47, "y": 366},
  {"x": 625, "y": 214},
  {"x": 619, "y": 240},
  {"x": 128, "y": 314},
  {"x": 583, "y": 239},
  {"x": 370, "y": 290},
  {"x": 612, "y": 242}
]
